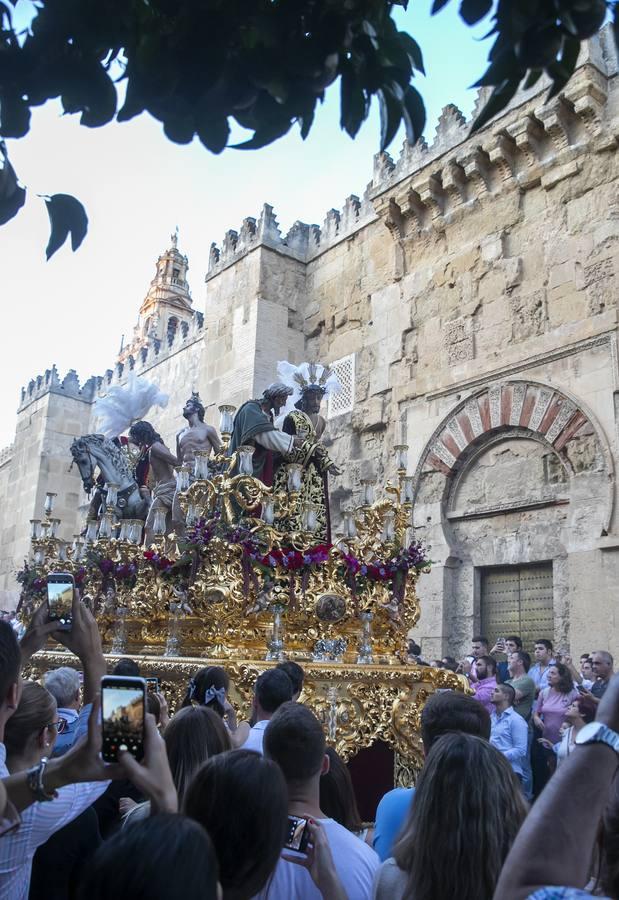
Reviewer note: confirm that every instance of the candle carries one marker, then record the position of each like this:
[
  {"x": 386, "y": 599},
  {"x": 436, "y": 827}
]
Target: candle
[
  {"x": 295, "y": 472},
  {"x": 226, "y": 419},
  {"x": 401, "y": 453},
  {"x": 112, "y": 493},
  {"x": 244, "y": 457},
  {"x": 268, "y": 510}
]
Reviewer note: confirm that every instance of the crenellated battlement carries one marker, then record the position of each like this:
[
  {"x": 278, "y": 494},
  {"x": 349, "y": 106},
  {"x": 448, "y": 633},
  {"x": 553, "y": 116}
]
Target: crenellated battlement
[
  {"x": 456, "y": 169},
  {"x": 50, "y": 383},
  {"x": 151, "y": 353}
]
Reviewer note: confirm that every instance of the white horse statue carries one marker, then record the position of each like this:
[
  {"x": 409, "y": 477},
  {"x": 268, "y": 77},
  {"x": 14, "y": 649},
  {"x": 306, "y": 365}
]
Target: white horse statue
[{"x": 92, "y": 450}]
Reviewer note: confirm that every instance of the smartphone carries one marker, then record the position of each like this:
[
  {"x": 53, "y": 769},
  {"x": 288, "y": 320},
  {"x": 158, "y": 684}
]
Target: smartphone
[
  {"x": 298, "y": 834},
  {"x": 581, "y": 689},
  {"x": 60, "y": 587},
  {"x": 152, "y": 684},
  {"x": 123, "y": 701}
]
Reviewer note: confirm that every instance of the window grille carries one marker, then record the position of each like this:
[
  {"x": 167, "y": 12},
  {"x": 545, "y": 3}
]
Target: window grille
[{"x": 342, "y": 401}]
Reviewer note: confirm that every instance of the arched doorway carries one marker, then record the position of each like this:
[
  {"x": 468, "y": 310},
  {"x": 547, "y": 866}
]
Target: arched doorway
[{"x": 516, "y": 479}]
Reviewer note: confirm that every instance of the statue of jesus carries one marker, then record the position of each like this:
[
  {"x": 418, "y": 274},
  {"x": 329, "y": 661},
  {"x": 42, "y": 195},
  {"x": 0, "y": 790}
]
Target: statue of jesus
[{"x": 196, "y": 436}]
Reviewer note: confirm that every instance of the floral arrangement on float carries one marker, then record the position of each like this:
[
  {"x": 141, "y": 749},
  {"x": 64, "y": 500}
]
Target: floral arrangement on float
[{"x": 238, "y": 582}]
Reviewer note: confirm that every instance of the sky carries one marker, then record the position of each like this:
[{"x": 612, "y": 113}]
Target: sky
[{"x": 137, "y": 187}]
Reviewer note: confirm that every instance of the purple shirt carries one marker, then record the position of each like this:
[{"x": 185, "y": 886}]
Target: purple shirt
[
  {"x": 484, "y": 690},
  {"x": 551, "y": 707}
]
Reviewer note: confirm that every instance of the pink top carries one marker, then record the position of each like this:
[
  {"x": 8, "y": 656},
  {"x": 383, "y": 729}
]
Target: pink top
[
  {"x": 483, "y": 692},
  {"x": 551, "y": 707}
]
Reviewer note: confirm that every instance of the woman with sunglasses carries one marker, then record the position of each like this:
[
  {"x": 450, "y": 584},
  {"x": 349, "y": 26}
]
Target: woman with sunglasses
[{"x": 29, "y": 735}]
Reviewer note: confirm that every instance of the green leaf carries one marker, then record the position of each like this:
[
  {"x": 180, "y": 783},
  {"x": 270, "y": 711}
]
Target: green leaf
[
  {"x": 474, "y": 10},
  {"x": 498, "y": 100},
  {"x": 533, "y": 78},
  {"x": 414, "y": 51},
  {"x": 14, "y": 116},
  {"x": 414, "y": 114},
  {"x": 66, "y": 216},
  {"x": 214, "y": 134},
  {"x": 390, "y": 109},
  {"x": 306, "y": 123},
  {"x": 265, "y": 135},
  {"x": 562, "y": 70},
  {"x": 353, "y": 104},
  {"x": 503, "y": 67},
  {"x": 12, "y": 195}
]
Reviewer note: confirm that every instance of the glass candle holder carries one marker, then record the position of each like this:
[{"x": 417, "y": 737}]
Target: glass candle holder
[
  {"x": 112, "y": 493},
  {"x": 35, "y": 529},
  {"x": 367, "y": 492},
  {"x": 105, "y": 527},
  {"x": 91, "y": 530},
  {"x": 388, "y": 532},
  {"x": 244, "y": 457},
  {"x": 407, "y": 489},
  {"x": 226, "y": 418},
  {"x": 268, "y": 510},
  {"x": 191, "y": 517},
  {"x": 295, "y": 473},
  {"x": 54, "y": 525},
  {"x": 182, "y": 478},
  {"x": 45, "y": 528},
  {"x": 401, "y": 455},
  {"x": 48, "y": 506},
  {"x": 135, "y": 532},
  {"x": 200, "y": 465},
  {"x": 62, "y": 551},
  {"x": 309, "y": 520},
  {"x": 123, "y": 534},
  {"x": 39, "y": 556},
  {"x": 159, "y": 521},
  {"x": 349, "y": 525},
  {"x": 365, "y": 657}
]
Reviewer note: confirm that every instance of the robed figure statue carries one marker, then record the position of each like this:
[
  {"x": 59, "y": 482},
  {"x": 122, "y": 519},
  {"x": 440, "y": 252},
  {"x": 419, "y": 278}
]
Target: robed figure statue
[
  {"x": 253, "y": 426},
  {"x": 304, "y": 422}
]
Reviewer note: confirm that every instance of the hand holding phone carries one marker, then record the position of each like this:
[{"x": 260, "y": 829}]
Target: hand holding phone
[
  {"x": 152, "y": 684},
  {"x": 298, "y": 834},
  {"x": 123, "y": 701},
  {"x": 60, "y": 588}
]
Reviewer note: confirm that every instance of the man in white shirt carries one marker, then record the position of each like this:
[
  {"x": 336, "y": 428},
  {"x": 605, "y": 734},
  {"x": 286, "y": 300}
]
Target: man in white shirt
[
  {"x": 294, "y": 739},
  {"x": 272, "y": 689}
]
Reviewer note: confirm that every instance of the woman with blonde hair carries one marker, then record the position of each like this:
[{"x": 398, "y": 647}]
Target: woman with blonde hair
[{"x": 466, "y": 812}]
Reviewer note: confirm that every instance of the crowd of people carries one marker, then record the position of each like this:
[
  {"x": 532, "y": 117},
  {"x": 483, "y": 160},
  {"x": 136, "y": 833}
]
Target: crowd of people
[{"x": 517, "y": 798}]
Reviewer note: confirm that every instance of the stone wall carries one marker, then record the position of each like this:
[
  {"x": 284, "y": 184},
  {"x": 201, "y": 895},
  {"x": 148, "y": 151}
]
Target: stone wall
[{"x": 475, "y": 284}]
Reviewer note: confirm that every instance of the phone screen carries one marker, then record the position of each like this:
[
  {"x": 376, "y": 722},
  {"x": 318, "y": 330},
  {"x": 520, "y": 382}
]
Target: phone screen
[
  {"x": 122, "y": 701},
  {"x": 152, "y": 685},
  {"x": 298, "y": 834},
  {"x": 60, "y": 598}
]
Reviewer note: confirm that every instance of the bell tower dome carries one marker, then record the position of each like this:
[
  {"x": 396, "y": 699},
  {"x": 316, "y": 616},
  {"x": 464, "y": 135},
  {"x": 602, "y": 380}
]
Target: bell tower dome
[{"x": 167, "y": 307}]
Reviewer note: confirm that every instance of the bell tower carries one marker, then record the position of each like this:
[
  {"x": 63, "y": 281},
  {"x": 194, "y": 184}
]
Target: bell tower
[{"x": 167, "y": 307}]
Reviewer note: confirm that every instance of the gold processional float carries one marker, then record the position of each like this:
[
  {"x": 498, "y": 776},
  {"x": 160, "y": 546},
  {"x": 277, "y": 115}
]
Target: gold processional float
[{"x": 242, "y": 592}]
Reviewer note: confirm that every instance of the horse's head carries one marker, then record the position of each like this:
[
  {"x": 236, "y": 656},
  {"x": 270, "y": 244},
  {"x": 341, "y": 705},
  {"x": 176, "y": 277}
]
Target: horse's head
[{"x": 85, "y": 462}]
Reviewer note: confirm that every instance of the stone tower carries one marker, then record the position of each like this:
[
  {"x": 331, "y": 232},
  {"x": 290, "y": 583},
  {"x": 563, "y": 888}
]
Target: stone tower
[{"x": 166, "y": 309}]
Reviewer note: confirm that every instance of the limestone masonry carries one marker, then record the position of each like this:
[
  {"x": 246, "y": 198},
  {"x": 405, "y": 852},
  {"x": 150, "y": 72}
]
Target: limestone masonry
[{"x": 469, "y": 301}]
